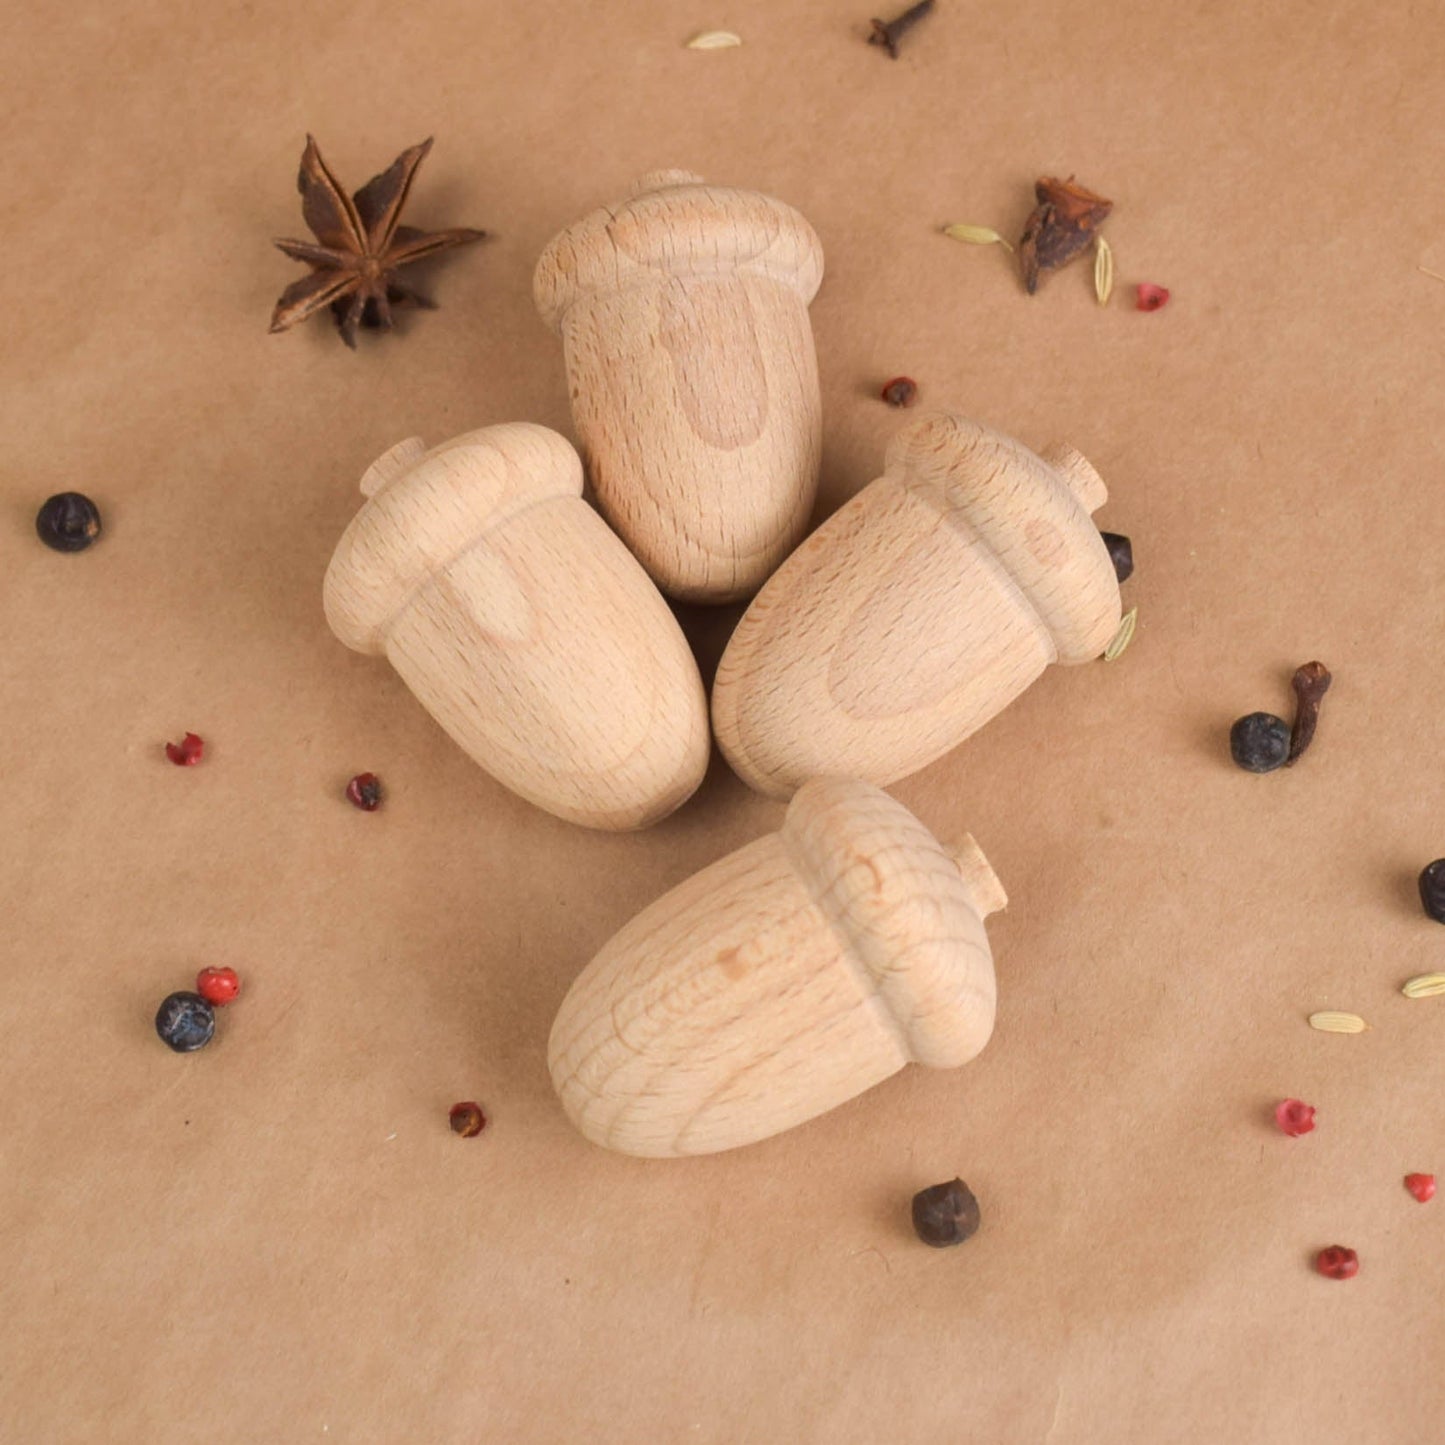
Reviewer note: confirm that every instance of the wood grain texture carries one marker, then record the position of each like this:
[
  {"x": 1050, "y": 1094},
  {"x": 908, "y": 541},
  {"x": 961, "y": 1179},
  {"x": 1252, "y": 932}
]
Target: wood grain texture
[
  {"x": 782, "y": 980},
  {"x": 918, "y": 611},
  {"x": 523, "y": 625},
  {"x": 683, "y": 313}
]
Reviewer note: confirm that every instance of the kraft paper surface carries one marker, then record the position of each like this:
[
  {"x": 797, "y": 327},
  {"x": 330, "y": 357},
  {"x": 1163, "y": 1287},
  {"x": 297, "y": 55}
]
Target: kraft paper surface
[{"x": 278, "y": 1239}]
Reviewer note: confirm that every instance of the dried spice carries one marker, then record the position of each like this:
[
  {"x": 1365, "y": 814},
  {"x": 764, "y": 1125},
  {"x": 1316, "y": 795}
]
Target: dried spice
[
  {"x": 1103, "y": 270},
  {"x": 188, "y": 752},
  {"x": 1422, "y": 1186},
  {"x": 1338, "y": 1262},
  {"x": 218, "y": 986},
  {"x": 1332, "y": 1021},
  {"x": 1123, "y": 637},
  {"x": 1061, "y": 226},
  {"x": 1310, "y": 682},
  {"x": 360, "y": 246},
  {"x": 1424, "y": 985},
  {"x": 467, "y": 1119},
  {"x": 1294, "y": 1117},
  {"x": 1432, "y": 889},
  {"x": 364, "y": 792},
  {"x": 68, "y": 522},
  {"x": 976, "y": 235},
  {"x": 185, "y": 1021},
  {"x": 901, "y": 391},
  {"x": 1151, "y": 297},
  {"x": 945, "y": 1214},
  {"x": 1121, "y": 554},
  {"x": 888, "y": 33},
  {"x": 714, "y": 40},
  {"x": 1259, "y": 742}
]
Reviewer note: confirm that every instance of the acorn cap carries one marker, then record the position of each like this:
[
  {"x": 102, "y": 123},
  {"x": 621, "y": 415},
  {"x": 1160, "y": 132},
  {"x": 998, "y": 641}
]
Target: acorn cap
[
  {"x": 908, "y": 910},
  {"x": 426, "y": 508},
  {"x": 674, "y": 225},
  {"x": 974, "y": 472}
]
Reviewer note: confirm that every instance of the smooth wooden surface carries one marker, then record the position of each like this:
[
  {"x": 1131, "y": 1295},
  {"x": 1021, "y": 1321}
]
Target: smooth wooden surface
[
  {"x": 523, "y": 625},
  {"x": 781, "y": 981},
  {"x": 683, "y": 312},
  {"x": 918, "y": 611}
]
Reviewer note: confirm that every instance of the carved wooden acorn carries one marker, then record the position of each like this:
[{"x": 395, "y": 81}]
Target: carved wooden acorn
[
  {"x": 918, "y": 611},
  {"x": 523, "y": 625},
  {"x": 683, "y": 313},
  {"x": 781, "y": 980}
]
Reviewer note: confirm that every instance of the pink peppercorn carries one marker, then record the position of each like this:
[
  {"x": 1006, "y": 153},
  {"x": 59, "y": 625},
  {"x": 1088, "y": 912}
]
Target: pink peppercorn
[
  {"x": 1152, "y": 297},
  {"x": 1422, "y": 1186},
  {"x": 467, "y": 1119},
  {"x": 218, "y": 985},
  {"x": 901, "y": 391},
  {"x": 364, "y": 792},
  {"x": 1338, "y": 1262},
  {"x": 1294, "y": 1117},
  {"x": 186, "y": 753}
]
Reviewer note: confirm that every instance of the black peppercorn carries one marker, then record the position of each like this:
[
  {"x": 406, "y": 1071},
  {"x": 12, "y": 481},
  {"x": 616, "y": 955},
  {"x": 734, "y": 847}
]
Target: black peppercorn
[
  {"x": 945, "y": 1214},
  {"x": 185, "y": 1021},
  {"x": 1121, "y": 554},
  {"x": 68, "y": 522},
  {"x": 1259, "y": 743},
  {"x": 1432, "y": 889}
]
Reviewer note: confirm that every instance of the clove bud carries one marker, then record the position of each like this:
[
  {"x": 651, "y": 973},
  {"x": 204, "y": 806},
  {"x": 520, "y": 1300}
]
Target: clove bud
[{"x": 1311, "y": 682}]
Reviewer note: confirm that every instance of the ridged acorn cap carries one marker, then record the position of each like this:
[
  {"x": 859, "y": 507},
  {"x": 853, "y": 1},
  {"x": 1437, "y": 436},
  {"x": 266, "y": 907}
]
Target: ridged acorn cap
[
  {"x": 426, "y": 508},
  {"x": 675, "y": 225},
  {"x": 909, "y": 911},
  {"x": 976, "y": 473}
]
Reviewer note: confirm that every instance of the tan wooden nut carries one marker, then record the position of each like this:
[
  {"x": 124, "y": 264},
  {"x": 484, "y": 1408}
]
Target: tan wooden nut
[
  {"x": 918, "y": 611},
  {"x": 781, "y": 981},
  {"x": 683, "y": 312},
  {"x": 523, "y": 625}
]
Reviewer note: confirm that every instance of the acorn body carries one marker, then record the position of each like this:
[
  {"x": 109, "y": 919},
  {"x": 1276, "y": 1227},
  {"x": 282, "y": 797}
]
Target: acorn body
[
  {"x": 781, "y": 981},
  {"x": 523, "y": 625},
  {"x": 918, "y": 611},
  {"x": 683, "y": 313}
]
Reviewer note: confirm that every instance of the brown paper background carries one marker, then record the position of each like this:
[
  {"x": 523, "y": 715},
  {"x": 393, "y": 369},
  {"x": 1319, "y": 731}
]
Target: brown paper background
[{"x": 278, "y": 1239}]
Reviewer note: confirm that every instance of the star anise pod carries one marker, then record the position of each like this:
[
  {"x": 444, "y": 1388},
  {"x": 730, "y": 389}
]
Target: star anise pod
[
  {"x": 361, "y": 246},
  {"x": 1059, "y": 227}
]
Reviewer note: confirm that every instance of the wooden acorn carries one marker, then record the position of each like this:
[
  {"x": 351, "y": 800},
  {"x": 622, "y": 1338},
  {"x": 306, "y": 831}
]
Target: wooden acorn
[
  {"x": 781, "y": 981},
  {"x": 918, "y": 611},
  {"x": 683, "y": 313},
  {"x": 523, "y": 625}
]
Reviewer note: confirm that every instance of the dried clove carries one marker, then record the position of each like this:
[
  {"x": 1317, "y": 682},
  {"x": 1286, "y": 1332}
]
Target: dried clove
[
  {"x": 68, "y": 522},
  {"x": 1310, "y": 682},
  {"x": 888, "y": 33},
  {"x": 1061, "y": 226},
  {"x": 945, "y": 1214}
]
